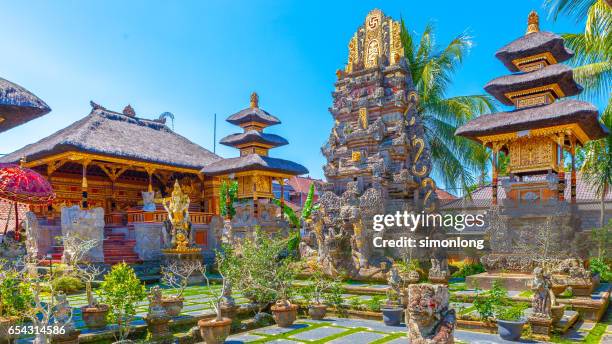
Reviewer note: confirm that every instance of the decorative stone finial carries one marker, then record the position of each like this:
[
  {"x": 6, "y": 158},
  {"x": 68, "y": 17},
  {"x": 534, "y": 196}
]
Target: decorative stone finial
[
  {"x": 129, "y": 111},
  {"x": 22, "y": 161},
  {"x": 533, "y": 22},
  {"x": 254, "y": 100}
]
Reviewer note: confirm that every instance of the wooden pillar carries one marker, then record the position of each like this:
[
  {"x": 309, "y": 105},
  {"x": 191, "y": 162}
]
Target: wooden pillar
[
  {"x": 494, "y": 179},
  {"x": 150, "y": 171},
  {"x": 255, "y": 210},
  {"x": 84, "y": 203},
  {"x": 281, "y": 181},
  {"x": 16, "y": 221},
  {"x": 561, "y": 174},
  {"x": 573, "y": 178}
]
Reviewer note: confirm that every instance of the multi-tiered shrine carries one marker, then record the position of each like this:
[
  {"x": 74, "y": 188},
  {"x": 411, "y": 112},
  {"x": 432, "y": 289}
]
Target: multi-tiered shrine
[
  {"x": 535, "y": 225},
  {"x": 377, "y": 159},
  {"x": 254, "y": 170}
]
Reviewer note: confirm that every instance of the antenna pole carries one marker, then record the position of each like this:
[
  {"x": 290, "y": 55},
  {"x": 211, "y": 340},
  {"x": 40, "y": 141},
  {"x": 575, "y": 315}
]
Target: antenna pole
[{"x": 215, "y": 134}]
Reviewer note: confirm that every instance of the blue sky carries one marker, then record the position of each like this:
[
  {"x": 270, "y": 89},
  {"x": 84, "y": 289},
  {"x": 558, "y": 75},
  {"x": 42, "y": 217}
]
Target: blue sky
[{"x": 197, "y": 58}]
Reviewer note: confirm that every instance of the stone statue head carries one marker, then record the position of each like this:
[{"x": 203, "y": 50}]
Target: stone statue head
[{"x": 427, "y": 302}]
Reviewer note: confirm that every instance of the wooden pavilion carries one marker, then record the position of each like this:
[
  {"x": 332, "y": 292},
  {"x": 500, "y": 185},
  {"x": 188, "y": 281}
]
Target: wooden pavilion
[{"x": 108, "y": 158}]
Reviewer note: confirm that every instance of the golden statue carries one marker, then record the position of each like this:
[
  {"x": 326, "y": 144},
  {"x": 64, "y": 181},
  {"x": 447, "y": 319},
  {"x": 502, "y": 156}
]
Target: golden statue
[{"x": 177, "y": 206}]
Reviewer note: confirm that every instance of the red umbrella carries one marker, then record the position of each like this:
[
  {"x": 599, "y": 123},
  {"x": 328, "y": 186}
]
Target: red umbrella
[{"x": 23, "y": 185}]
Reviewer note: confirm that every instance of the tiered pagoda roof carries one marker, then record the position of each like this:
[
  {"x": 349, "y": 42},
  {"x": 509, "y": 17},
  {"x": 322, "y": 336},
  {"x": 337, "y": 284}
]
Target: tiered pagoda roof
[
  {"x": 535, "y": 89},
  {"x": 253, "y": 144},
  {"x": 122, "y": 135},
  {"x": 18, "y": 105}
]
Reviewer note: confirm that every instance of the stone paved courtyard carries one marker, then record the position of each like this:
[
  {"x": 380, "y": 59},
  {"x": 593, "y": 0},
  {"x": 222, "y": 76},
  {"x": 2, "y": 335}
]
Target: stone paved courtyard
[{"x": 356, "y": 331}]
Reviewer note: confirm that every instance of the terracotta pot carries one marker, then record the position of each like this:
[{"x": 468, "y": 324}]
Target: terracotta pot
[
  {"x": 95, "y": 317},
  {"x": 5, "y": 324},
  {"x": 158, "y": 327},
  {"x": 67, "y": 338},
  {"x": 558, "y": 289},
  {"x": 213, "y": 331},
  {"x": 557, "y": 313},
  {"x": 284, "y": 314},
  {"x": 173, "y": 305},
  {"x": 317, "y": 312}
]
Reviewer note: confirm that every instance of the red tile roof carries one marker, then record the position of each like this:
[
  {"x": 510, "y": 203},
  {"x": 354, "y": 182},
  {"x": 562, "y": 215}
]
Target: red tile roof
[
  {"x": 302, "y": 184},
  {"x": 482, "y": 196}
]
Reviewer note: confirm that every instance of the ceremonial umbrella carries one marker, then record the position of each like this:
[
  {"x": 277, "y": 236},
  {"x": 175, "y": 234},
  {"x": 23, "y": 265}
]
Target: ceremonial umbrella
[{"x": 23, "y": 185}]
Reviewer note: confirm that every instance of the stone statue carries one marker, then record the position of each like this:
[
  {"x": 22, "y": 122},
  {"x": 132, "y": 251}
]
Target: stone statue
[
  {"x": 226, "y": 295},
  {"x": 62, "y": 313},
  {"x": 439, "y": 272},
  {"x": 148, "y": 200},
  {"x": 31, "y": 231},
  {"x": 395, "y": 282},
  {"x": 157, "y": 318},
  {"x": 431, "y": 322},
  {"x": 542, "y": 300},
  {"x": 156, "y": 309}
]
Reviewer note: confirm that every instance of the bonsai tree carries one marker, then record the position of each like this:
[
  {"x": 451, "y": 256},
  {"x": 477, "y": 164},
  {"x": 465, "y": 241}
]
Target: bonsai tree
[
  {"x": 176, "y": 276},
  {"x": 121, "y": 290},
  {"x": 320, "y": 293},
  {"x": 267, "y": 272},
  {"x": 218, "y": 329}
]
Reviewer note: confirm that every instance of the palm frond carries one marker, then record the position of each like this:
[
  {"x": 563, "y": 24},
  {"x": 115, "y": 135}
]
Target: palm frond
[{"x": 574, "y": 8}]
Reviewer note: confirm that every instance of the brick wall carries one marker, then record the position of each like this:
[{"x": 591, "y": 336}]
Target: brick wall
[{"x": 5, "y": 209}]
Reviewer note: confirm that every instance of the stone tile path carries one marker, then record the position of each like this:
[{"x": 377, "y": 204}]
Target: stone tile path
[{"x": 349, "y": 331}]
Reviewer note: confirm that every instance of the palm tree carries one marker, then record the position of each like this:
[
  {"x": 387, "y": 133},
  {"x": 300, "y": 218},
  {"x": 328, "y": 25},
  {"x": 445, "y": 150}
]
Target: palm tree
[
  {"x": 432, "y": 70},
  {"x": 597, "y": 167},
  {"x": 593, "y": 69},
  {"x": 577, "y": 8}
]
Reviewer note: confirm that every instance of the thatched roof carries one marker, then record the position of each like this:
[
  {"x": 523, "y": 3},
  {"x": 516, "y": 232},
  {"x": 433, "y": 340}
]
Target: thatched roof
[
  {"x": 558, "y": 113},
  {"x": 117, "y": 135},
  {"x": 533, "y": 44},
  {"x": 254, "y": 162},
  {"x": 558, "y": 73},
  {"x": 253, "y": 114},
  {"x": 18, "y": 105},
  {"x": 253, "y": 136}
]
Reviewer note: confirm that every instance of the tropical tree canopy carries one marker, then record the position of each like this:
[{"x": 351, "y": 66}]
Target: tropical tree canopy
[{"x": 432, "y": 69}]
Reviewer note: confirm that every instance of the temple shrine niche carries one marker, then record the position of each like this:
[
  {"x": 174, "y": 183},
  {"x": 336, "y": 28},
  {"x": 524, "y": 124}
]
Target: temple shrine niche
[
  {"x": 377, "y": 159},
  {"x": 535, "y": 225},
  {"x": 254, "y": 170}
]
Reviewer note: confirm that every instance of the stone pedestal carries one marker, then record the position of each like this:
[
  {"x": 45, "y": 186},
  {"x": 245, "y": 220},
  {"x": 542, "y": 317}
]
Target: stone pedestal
[
  {"x": 148, "y": 241},
  {"x": 85, "y": 225},
  {"x": 540, "y": 327},
  {"x": 169, "y": 257}
]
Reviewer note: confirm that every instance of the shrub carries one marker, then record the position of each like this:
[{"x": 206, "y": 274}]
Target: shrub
[
  {"x": 467, "y": 269},
  {"x": 122, "y": 290},
  {"x": 15, "y": 295},
  {"x": 511, "y": 313},
  {"x": 487, "y": 303},
  {"x": 373, "y": 304},
  {"x": 598, "y": 265},
  {"x": 67, "y": 284},
  {"x": 355, "y": 303}
]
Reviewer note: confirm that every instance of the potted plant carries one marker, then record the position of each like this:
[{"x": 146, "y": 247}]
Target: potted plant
[
  {"x": 267, "y": 275},
  {"x": 218, "y": 329},
  {"x": 94, "y": 314},
  {"x": 121, "y": 290},
  {"x": 510, "y": 321},
  {"x": 15, "y": 300},
  {"x": 320, "y": 293},
  {"x": 392, "y": 310},
  {"x": 176, "y": 276}
]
